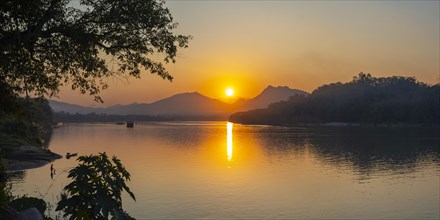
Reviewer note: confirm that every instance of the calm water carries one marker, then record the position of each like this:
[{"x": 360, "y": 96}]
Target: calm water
[{"x": 223, "y": 171}]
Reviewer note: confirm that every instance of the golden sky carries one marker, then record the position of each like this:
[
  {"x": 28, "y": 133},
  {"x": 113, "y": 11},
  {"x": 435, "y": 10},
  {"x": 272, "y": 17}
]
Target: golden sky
[{"x": 248, "y": 45}]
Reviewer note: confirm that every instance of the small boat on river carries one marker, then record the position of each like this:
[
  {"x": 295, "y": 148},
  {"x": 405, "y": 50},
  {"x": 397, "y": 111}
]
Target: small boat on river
[{"x": 69, "y": 155}]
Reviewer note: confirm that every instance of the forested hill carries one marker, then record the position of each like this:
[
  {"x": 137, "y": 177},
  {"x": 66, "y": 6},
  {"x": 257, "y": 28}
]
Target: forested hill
[{"x": 365, "y": 100}]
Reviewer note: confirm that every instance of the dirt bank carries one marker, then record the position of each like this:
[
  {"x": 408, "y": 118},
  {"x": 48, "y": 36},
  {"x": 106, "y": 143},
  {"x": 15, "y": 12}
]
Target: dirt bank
[{"x": 27, "y": 157}]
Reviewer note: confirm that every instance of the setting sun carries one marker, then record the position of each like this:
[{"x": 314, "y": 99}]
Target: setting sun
[{"x": 229, "y": 92}]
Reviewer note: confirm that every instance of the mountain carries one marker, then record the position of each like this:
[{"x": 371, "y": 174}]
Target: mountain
[
  {"x": 188, "y": 105},
  {"x": 72, "y": 108},
  {"x": 269, "y": 95},
  {"x": 184, "y": 104}
]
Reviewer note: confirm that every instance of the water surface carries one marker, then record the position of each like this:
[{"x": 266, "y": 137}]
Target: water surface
[{"x": 227, "y": 171}]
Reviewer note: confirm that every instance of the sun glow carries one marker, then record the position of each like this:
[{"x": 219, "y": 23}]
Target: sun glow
[{"x": 229, "y": 92}]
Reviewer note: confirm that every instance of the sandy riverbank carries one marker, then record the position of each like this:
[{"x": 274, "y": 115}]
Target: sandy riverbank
[{"x": 27, "y": 157}]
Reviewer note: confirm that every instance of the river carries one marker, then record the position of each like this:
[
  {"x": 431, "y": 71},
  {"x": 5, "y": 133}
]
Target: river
[{"x": 220, "y": 170}]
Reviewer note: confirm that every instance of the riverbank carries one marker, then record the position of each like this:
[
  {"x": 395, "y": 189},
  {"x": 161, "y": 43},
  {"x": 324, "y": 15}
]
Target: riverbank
[
  {"x": 26, "y": 157},
  {"x": 345, "y": 124}
]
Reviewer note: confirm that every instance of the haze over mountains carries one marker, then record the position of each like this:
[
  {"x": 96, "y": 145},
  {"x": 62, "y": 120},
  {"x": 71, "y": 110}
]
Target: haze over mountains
[{"x": 186, "y": 104}]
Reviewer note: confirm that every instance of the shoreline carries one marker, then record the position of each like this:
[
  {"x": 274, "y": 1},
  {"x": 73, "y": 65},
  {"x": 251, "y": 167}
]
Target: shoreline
[
  {"x": 27, "y": 157},
  {"x": 344, "y": 124},
  {"x": 12, "y": 166}
]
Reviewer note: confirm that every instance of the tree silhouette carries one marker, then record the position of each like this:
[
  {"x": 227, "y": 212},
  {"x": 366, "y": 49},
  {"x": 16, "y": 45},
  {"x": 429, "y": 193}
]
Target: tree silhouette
[
  {"x": 45, "y": 44},
  {"x": 365, "y": 99}
]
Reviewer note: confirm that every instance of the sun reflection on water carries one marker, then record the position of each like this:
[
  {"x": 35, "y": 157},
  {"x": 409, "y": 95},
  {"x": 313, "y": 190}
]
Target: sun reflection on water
[{"x": 229, "y": 127}]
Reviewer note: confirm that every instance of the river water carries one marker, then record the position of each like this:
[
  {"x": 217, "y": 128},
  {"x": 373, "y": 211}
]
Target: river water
[{"x": 219, "y": 170}]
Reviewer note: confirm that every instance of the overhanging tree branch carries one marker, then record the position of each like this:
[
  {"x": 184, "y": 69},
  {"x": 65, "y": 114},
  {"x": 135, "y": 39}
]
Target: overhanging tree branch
[{"x": 64, "y": 43}]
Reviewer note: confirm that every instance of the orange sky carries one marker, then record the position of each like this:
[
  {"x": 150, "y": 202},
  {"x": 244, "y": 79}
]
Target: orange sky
[{"x": 248, "y": 45}]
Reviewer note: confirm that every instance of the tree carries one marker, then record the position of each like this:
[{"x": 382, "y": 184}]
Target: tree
[
  {"x": 365, "y": 99},
  {"x": 45, "y": 44},
  {"x": 95, "y": 192}
]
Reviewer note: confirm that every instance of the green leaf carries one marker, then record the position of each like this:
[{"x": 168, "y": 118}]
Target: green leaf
[{"x": 96, "y": 188}]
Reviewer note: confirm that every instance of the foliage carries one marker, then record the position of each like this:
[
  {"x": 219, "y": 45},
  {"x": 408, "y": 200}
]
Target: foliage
[
  {"x": 4, "y": 193},
  {"x": 7, "y": 141},
  {"x": 25, "y": 122},
  {"x": 23, "y": 203},
  {"x": 49, "y": 43},
  {"x": 7, "y": 97},
  {"x": 95, "y": 191},
  {"x": 366, "y": 99}
]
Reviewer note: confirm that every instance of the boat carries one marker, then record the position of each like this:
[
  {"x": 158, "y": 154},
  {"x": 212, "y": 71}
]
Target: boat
[
  {"x": 57, "y": 125},
  {"x": 120, "y": 123},
  {"x": 69, "y": 155},
  {"x": 130, "y": 124}
]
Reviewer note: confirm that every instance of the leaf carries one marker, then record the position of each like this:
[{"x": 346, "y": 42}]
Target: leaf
[{"x": 97, "y": 187}]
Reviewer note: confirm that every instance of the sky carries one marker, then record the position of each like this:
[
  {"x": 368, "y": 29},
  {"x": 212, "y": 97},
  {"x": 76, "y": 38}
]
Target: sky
[{"x": 248, "y": 45}]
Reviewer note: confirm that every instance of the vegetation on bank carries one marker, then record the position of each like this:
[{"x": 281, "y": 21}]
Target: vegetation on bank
[
  {"x": 97, "y": 181},
  {"x": 94, "y": 193},
  {"x": 25, "y": 122},
  {"x": 102, "y": 117},
  {"x": 364, "y": 100},
  {"x": 22, "y": 122},
  {"x": 4, "y": 195}
]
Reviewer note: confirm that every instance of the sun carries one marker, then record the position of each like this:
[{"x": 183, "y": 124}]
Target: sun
[{"x": 229, "y": 92}]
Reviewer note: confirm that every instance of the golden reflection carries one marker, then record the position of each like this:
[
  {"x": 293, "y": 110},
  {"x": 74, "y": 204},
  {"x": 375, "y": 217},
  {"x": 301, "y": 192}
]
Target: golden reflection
[{"x": 229, "y": 126}]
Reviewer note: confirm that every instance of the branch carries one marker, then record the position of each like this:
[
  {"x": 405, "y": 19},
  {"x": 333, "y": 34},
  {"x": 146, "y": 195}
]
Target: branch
[{"x": 32, "y": 33}]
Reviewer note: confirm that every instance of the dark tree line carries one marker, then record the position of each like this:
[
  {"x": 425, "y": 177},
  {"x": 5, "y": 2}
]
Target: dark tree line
[
  {"x": 95, "y": 117},
  {"x": 102, "y": 117},
  {"x": 365, "y": 100}
]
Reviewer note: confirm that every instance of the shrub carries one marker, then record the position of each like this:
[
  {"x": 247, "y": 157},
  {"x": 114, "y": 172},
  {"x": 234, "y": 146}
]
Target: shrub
[
  {"x": 95, "y": 192},
  {"x": 23, "y": 203}
]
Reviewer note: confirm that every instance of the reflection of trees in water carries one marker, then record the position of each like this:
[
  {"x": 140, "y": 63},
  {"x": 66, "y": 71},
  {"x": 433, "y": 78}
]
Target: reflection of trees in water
[
  {"x": 364, "y": 150},
  {"x": 282, "y": 143}
]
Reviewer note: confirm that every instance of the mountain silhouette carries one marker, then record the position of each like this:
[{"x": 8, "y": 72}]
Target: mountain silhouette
[
  {"x": 191, "y": 104},
  {"x": 184, "y": 104},
  {"x": 58, "y": 106},
  {"x": 269, "y": 95}
]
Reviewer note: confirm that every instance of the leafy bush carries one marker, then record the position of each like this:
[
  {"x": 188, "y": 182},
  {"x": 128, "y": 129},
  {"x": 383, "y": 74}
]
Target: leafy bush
[
  {"x": 4, "y": 193},
  {"x": 23, "y": 203},
  {"x": 95, "y": 192},
  {"x": 25, "y": 122}
]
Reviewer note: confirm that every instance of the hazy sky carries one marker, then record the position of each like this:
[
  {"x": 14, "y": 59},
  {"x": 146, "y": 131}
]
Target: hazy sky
[{"x": 249, "y": 45}]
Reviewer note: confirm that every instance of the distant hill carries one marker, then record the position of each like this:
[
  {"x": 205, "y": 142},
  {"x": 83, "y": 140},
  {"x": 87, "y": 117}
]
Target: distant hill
[
  {"x": 187, "y": 105},
  {"x": 269, "y": 95},
  {"x": 72, "y": 108},
  {"x": 184, "y": 104},
  {"x": 366, "y": 99}
]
